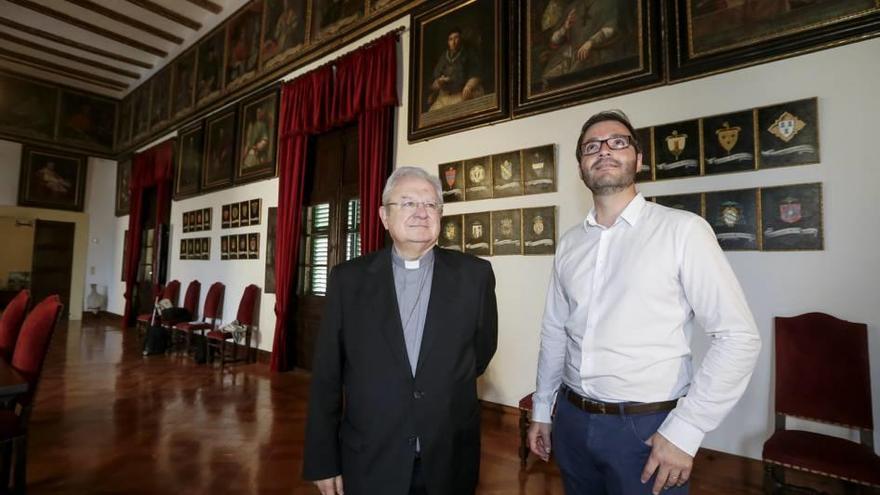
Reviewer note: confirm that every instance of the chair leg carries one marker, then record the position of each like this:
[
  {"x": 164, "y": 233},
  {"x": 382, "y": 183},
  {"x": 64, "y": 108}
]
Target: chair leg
[
  {"x": 19, "y": 476},
  {"x": 523, "y": 438}
]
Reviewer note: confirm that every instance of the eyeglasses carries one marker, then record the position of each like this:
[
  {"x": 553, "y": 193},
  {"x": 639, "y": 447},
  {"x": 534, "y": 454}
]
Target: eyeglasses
[
  {"x": 412, "y": 206},
  {"x": 614, "y": 142}
]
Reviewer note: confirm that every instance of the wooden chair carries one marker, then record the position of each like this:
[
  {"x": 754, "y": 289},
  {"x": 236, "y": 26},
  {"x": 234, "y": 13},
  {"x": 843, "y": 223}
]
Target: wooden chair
[
  {"x": 10, "y": 323},
  {"x": 213, "y": 310},
  {"x": 170, "y": 292},
  {"x": 525, "y": 412},
  {"x": 190, "y": 304},
  {"x": 822, "y": 374},
  {"x": 27, "y": 359},
  {"x": 218, "y": 338}
]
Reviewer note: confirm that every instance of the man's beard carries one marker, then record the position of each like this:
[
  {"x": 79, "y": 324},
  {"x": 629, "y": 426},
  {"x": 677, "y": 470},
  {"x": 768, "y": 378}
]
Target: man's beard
[{"x": 608, "y": 184}]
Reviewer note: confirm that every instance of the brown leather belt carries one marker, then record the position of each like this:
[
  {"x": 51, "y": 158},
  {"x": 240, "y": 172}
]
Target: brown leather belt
[{"x": 596, "y": 407}]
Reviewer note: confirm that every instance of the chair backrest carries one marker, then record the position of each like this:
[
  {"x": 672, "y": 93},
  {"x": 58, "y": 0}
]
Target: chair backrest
[
  {"x": 822, "y": 370},
  {"x": 172, "y": 291},
  {"x": 214, "y": 300},
  {"x": 33, "y": 342},
  {"x": 10, "y": 322},
  {"x": 246, "y": 306},
  {"x": 191, "y": 298}
]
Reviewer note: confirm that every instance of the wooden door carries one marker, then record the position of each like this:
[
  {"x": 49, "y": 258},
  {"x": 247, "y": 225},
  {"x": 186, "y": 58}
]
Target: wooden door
[{"x": 52, "y": 265}]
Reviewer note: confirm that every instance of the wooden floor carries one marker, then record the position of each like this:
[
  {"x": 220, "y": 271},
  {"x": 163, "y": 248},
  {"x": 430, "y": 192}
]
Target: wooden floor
[{"x": 108, "y": 420}]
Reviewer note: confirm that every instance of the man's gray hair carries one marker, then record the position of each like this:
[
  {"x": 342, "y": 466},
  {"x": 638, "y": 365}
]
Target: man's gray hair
[{"x": 414, "y": 172}]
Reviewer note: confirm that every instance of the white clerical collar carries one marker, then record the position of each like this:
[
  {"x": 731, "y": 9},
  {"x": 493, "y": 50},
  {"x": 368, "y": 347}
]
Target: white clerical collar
[{"x": 415, "y": 264}]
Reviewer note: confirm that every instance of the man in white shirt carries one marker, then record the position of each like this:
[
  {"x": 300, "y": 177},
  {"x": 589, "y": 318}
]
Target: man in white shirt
[{"x": 628, "y": 285}]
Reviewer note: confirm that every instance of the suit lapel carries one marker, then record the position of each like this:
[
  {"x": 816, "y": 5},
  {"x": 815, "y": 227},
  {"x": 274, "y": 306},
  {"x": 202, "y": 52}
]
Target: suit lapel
[
  {"x": 384, "y": 301},
  {"x": 440, "y": 303}
]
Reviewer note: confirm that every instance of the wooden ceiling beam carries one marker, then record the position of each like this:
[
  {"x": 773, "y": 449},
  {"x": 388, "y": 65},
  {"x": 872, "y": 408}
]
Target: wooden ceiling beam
[
  {"x": 128, "y": 21},
  {"x": 207, "y": 5},
  {"x": 71, "y": 43},
  {"x": 167, "y": 13},
  {"x": 61, "y": 70},
  {"x": 73, "y": 21},
  {"x": 68, "y": 56}
]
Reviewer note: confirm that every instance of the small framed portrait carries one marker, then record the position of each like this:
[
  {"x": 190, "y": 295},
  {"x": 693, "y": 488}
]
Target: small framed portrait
[
  {"x": 506, "y": 232},
  {"x": 219, "y": 151},
  {"x": 206, "y": 219},
  {"x": 458, "y": 60},
  {"x": 224, "y": 247},
  {"x": 677, "y": 150},
  {"x": 506, "y": 175},
  {"x": 478, "y": 234},
  {"x": 224, "y": 217},
  {"x": 206, "y": 248},
  {"x": 539, "y": 230},
  {"x": 183, "y": 251},
  {"x": 478, "y": 178},
  {"x": 645, "y": 173},
  {"x": 188, "y": 169},
  {"x": 729, "y": 143},
  {"x": 257, "y": 137},
  {"x": 253, "y": 246},
  {"x": 200, "y": 221},
  {"x": 733, "y": 216},
  {"x": 271, "y": 233},
  {"x": 687, "y": 202},
  {"x": 243, "y": 44},
  {"x": 256, "y": 211},
  {"x": 185, "y": 222},
  {"x": 789, "y": 134},
  {"x": 575, "y": 51},
  {"x": 50, "y": 179},
  {"x": 284, "y": 31},
  {"x": 708, "y": 36},
  {"x": 123, "y": 187},
  {"x": 792, "y": 217},
  {"x": 452, "y": 181},
  {"x": 190, "y": 248},
  {"x": 234, "y": 217},
  {"x": 451, "y": 233},
  {"x": 233, "y": 247},
  {"x": 242, "y": 246},
  {"x": 539, "y": 169},
  {"x": 196, "y": 253},
  {"x": 244, "y": 209}
]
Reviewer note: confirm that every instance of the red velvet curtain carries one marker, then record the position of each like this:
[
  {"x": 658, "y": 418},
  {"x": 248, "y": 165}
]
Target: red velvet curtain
[
  {"x": 151, "y": 168},
  {"x": 364, "y": 89}
]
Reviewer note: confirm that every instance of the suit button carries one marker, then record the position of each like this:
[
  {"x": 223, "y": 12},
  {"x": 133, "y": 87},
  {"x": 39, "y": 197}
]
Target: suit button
[{"x": 418, "y": 394}]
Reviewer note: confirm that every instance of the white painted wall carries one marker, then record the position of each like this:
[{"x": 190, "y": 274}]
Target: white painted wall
[
  {"x": 100, "y": 207},
  {"x": 10, "y": 166}
]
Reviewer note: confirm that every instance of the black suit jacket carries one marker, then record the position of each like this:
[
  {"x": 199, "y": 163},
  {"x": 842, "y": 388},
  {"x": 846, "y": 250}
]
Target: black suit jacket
[{"x": 360, "y": 360}]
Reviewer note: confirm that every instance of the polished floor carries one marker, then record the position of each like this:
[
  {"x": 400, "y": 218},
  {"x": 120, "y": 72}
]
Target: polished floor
[{"x": 108, "y": 420}]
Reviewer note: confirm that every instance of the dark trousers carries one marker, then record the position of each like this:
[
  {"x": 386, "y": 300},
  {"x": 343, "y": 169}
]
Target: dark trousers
[
  {"x": 417, "y": 485},
  {"x": 604, "y": 454}
]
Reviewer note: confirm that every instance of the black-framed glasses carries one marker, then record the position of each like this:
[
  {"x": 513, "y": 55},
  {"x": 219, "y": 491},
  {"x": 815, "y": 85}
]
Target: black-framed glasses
[
  {"x": 617, "y": 142},
  {"x": 409, "y": 206}
]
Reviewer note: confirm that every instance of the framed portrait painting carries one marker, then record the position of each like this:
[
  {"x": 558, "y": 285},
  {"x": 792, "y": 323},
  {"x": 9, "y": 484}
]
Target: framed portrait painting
[
  {"x": 160, "y": 99},
  {"x": 140, "y": 101},
  {"x": 243, "y": 44},
  {"x": 123, "y": 187},
  {"x": 123, "y": 129},
  {"x": 86, "y": 120},
  {"x": 329, "y": 17},
  {"x": 209, "y": 68},
  {"x": 50, "y": 179},
  {"x": 710, "y": 37},
  {"x": 257, "y": 138},
  {"x": 458, "y": 76},
  {"x": 284, "y": 31},
  {"x": 574, "y": 51},
  {"x": 183, "y": 83},
  {"x": 32, "y": 114},
  {"x": 219, "y": 151},
  {"x": 188, "y": 168}
]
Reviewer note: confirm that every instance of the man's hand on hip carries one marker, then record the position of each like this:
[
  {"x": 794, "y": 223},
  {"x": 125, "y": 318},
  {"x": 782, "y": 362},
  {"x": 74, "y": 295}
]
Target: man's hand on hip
[
  {"x": 539, "y": 440},
  {"x": 673, "y": 465},
  {"x": 330, "y": 486}
]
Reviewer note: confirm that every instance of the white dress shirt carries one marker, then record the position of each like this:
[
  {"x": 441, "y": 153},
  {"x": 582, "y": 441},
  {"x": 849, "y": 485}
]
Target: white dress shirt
[{"x": 619, "y": 313}]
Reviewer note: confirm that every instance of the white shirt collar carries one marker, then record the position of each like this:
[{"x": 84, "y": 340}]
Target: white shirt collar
[{"x": 630, "y": 214}]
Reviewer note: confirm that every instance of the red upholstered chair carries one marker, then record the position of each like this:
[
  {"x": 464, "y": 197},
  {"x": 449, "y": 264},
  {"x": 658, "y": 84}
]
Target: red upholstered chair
[
  {"x": 170, "y": 292},
  {"x": 10, "y": 323},
  {"x": 212, "y": 311},
  {"x": 822, "y": 374},
  {"x": 27, "y": 359},
  {"x": 217, "y": 339},
  {"x": 525, "y": 412}
]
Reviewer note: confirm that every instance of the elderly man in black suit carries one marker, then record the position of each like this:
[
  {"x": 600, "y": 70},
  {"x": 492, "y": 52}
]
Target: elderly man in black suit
[{"x": 406, "y": 331}]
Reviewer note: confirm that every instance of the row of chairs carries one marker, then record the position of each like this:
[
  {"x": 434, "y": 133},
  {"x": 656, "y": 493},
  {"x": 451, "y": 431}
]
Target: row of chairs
[
  {"x": 219, "y": 340},
  {"x": 24, "y": 343}
]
